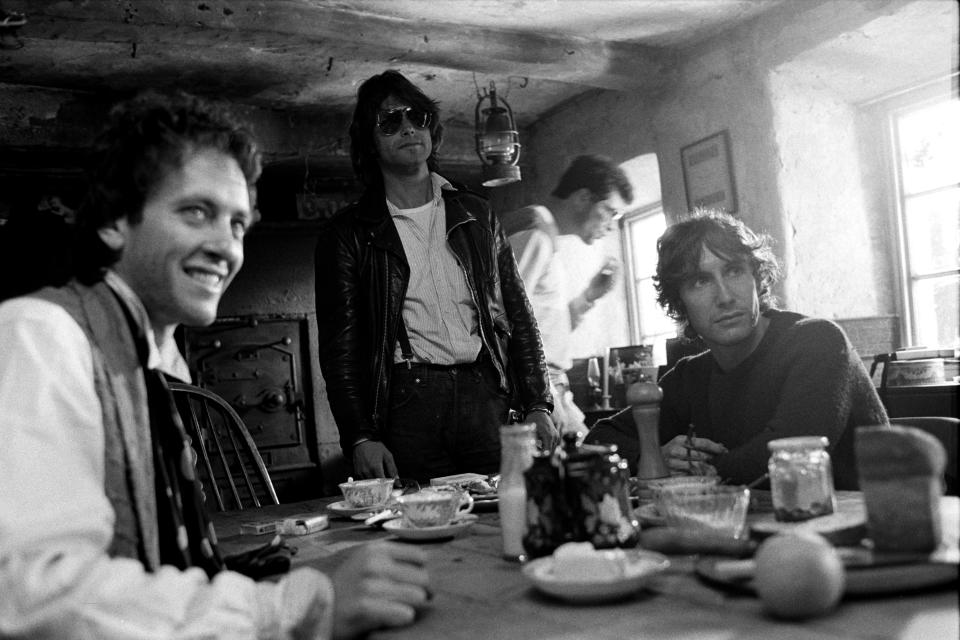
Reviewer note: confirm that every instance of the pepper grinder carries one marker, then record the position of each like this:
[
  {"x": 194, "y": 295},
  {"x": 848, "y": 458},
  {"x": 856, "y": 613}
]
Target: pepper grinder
[{"x": 644, "y": 397}]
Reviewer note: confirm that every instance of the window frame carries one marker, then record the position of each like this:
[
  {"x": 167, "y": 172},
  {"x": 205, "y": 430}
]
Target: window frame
[
  {"x": 896, "y": 108},
  {"x": 634, "y": 320}
]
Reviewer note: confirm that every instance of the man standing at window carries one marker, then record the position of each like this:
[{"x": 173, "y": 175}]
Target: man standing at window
[
  {"x": 426, "y": 334},
  {"x": 584, "y": 204}
]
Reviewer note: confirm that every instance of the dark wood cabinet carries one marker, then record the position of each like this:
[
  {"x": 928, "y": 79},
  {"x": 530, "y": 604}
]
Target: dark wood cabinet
[{"x": 922, "y": 400}]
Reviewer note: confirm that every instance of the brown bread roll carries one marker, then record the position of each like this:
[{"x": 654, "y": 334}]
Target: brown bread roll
[{"x": 901, "y": 476}]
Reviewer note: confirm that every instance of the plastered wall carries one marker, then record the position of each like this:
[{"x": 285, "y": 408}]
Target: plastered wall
[
  {"x": 804, "y": 163},
  {"x": 831, "y": 261}
]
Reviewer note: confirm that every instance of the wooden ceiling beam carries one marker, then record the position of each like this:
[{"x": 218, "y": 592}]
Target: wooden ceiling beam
[
  {"x": 330, "y": 34},
  {"x": 41, "y": 121}
]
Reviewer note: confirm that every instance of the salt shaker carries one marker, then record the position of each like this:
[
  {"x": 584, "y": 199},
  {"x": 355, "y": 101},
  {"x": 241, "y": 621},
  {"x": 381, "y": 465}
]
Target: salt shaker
[{"x": 517, "y": 447}]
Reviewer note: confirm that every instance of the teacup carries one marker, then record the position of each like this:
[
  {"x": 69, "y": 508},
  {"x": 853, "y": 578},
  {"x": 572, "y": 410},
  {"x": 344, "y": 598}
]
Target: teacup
[
  {"x": 433, "y": 507},
  {"x": 367, "y": 493}
]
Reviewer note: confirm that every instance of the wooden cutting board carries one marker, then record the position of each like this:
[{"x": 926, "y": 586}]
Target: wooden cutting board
[{"x": 846, "y": 526}]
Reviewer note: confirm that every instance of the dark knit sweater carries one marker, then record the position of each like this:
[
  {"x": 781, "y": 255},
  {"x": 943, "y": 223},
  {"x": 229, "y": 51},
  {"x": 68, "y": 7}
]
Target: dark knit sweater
[{"x": 804, "y": 378}]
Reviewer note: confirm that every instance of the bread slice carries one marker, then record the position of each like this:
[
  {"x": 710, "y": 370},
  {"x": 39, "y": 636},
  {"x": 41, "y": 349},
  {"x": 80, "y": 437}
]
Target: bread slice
[{"x": 901, "y": 476}]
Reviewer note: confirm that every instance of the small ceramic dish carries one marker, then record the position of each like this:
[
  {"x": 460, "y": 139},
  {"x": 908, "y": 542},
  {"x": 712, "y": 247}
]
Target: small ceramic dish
[{"x": 639, "y": 567}]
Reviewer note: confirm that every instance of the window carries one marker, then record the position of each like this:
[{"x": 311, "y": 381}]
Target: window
[
  {"x": 927, "y": 160},
  {"x": 648, "y": 323}
]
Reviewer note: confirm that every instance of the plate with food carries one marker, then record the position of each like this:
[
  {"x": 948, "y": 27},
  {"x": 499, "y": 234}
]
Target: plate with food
[
  {"x": 484, "y": 492},
  {"x": 483, "y": 489},
  {"x": 576, "y": 572}
]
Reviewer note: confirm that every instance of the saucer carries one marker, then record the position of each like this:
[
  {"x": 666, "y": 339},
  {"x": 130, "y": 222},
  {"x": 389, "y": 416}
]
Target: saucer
[
  {"x": 640, "y": 567},
  {"x": 343, "y": 508},
  {"x": 459, "y": 525}
]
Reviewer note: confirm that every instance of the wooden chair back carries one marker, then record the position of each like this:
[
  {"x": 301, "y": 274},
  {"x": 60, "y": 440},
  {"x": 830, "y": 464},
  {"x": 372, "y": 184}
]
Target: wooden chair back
[{"x": 229, "y": 462}]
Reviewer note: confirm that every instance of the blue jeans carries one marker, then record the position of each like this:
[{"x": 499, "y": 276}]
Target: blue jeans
[{"x": 446, "y": 419}]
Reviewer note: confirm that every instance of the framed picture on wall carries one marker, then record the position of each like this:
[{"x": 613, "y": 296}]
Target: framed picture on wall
[{"x": 708, "y": 173}]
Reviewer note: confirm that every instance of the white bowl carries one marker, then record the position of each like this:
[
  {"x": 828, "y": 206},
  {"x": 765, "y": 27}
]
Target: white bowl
[
  {"x": 638, "y": 568},
  {"x": 719, "y": 509},
  {"x": 650, "y": 489}
]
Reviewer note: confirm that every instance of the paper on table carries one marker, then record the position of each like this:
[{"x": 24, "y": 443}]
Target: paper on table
[
  {"x": 302, "y": 525},
  {"x": 298, "y": 525}
]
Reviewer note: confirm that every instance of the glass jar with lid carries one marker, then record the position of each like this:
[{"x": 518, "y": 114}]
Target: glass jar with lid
[{"x": 801, "y": 478}]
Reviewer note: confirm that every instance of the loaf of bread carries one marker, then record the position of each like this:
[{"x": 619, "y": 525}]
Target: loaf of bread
[{"x": 901, "y": 476}]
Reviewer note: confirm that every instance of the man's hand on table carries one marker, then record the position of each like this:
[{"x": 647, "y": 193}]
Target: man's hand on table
[
  {"x": 546, "y": 433},
  {"x": 692, "y": 456},
  {"x": 380, "y": 585},
  {"x": 372, "y": 459}
]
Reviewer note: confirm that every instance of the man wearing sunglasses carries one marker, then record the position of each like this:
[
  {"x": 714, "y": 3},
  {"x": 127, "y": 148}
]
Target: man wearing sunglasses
[
  {"x": 585, "y": 203},
  {"x": 427, "y": 338}
]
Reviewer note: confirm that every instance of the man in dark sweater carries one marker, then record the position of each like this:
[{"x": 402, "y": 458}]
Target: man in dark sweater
[{"x": 768, "y": 374}]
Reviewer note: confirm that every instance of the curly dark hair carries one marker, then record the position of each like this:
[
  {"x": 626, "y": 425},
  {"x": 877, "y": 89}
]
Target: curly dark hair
[
  {"x": 370, "y": 95},
  {"x": 145, "y": 138},
  {"x": 680, "y": 249},
  {"x": 598, "y": 174}
]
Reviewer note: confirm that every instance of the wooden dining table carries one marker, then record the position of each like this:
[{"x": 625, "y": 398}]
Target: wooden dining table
[{"x": 479, "y": 594}]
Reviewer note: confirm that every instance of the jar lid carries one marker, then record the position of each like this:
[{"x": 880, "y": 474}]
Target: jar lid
[{"x": 798, "y": 443}]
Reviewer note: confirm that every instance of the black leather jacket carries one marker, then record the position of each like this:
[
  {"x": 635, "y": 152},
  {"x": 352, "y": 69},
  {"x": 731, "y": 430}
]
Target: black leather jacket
[{"x": 361, "y": 283}]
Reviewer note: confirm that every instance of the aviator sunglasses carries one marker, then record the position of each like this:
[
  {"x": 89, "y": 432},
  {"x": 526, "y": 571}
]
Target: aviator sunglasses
[{"x": 390, "y": 121}]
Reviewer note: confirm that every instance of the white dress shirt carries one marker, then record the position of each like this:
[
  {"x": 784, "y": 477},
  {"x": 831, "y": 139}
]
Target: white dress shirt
[
  {"x": 544, "y": 277},
  {"x": 56, "y": 522},
  {"x": 439, "y": 311}
]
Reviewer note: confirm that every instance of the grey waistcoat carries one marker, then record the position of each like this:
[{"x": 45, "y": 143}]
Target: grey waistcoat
[{"x": 121, "y": 389}]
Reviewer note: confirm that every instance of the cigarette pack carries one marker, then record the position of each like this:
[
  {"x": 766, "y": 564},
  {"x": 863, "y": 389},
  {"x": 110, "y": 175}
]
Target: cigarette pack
[
  {"x": 259, "y": 528},
  {"x": 302, "y": 525}
]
